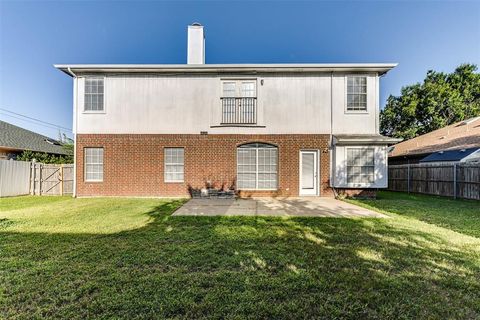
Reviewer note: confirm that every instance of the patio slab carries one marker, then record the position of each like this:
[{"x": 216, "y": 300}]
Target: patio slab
[{"x": 277, "y": 207}]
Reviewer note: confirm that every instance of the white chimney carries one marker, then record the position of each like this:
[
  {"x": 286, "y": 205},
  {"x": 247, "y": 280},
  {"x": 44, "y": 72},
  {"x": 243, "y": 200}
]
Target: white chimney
[{"x": 196, "y": 44}]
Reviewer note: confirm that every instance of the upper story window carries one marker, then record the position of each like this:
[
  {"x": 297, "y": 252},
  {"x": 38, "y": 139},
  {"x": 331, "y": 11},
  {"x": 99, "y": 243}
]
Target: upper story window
[
  {"x": 356, "y": 93},
  {"x": 239, "y": 102},
  {"x": 239, "y": 89},
  {"x": 360, "y": 165},
  {"x": 93, "y": 94}
]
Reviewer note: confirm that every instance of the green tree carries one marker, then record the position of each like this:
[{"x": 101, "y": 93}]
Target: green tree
[
  {"x": 442, "y": 99},
  {"x": 43, "y": 157}
]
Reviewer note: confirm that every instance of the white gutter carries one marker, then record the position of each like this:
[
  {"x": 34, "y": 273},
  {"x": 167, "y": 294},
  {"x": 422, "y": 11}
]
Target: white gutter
[
  {"x": 70, "y": 72},
  {"x": 380, "y": 68},
  {"x": 75, "y": 90},
  {"x": 333, "y": 170},
  {"x": 367, "y": 139}
]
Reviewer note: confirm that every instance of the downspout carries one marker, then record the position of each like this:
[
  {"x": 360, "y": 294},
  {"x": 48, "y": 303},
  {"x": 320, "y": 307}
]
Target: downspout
[
  {"x": 332, "y": 150},
  {"x": 377, "y": 107},
  {"x": 75, "y": 92}
]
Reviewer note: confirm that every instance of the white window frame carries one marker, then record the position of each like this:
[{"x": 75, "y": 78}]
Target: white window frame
[
  {"x": 85, "y": 164},
  {"x": 256, "y": 169},
  {"x": 85, "y": 93},
  {"x": 366, "y": 93},
  {"x": 361, "y": 184},
  {"x": 165, "y": 165},
  {"x": 238, "y": 87}
]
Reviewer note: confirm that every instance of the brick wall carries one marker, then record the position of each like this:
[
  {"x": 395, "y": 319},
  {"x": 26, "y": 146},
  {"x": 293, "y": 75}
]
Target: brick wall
[
  {"x": 358, "y": 193},
  {"x": 133, "y": 164}
]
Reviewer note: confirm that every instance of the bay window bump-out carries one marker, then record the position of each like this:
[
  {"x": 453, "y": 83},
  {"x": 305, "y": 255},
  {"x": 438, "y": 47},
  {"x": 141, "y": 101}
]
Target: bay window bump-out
[
  {"x": 360, "y": 166},
  {"x": 93, "y": 164},
  {"x": 257, "y": 166}
]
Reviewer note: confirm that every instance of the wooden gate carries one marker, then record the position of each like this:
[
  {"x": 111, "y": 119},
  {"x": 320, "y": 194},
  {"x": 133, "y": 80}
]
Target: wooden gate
[{"x": 51, "y": 179}]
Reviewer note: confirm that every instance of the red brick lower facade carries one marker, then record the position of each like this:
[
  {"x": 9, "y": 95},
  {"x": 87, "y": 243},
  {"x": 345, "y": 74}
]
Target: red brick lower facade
[
  {"x": 357, "y": 193},
  {"x": 134, "y": 163}
]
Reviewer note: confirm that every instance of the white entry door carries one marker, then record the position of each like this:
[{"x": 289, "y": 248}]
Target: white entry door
[{"x": 308, "y": 173}]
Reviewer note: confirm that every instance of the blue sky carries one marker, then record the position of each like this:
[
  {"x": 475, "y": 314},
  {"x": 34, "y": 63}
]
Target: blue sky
[{"x": 419, "y": 35}]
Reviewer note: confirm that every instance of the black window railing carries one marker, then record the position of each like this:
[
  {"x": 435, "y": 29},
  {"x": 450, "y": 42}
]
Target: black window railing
[{"x": 239, "y": 110}]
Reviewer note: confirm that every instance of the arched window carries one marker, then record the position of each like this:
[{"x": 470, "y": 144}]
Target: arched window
[{"x": 257, "y": 166}]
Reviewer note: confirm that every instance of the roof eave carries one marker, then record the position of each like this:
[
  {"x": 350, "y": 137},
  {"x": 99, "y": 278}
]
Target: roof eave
[
  {"x": 367, "y": 140},
  {"x": 380, "y": 68}
]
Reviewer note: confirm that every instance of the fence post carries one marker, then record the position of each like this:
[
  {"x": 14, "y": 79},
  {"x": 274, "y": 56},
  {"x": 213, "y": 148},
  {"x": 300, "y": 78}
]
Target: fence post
[
  {"x": 408, "y": 178},
  {"x": 61, "y": 180},
  {"x": 34, "y": 185},
  {"x": 40, "y": 179},
  {"x": 454, "y": 181}
]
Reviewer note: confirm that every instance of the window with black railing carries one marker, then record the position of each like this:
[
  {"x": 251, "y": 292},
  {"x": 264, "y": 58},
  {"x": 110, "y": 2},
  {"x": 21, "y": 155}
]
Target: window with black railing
[
  {"x": 239, "y": 102},
  {"x": 239, "y": 110}
]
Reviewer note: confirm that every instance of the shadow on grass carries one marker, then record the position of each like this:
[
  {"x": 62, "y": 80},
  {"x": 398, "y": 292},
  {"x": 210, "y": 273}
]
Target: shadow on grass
[{"x": 239, "y": 267}]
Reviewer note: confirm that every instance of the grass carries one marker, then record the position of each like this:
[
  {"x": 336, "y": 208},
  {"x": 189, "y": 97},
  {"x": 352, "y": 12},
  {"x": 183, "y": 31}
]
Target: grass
[
  {"x": 129, "y": 258},
  {"x": 459, "y": 215}
]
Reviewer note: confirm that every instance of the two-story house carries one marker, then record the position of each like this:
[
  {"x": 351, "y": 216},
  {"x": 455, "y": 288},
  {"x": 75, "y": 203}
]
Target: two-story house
[{"x": 263, "y": 129}]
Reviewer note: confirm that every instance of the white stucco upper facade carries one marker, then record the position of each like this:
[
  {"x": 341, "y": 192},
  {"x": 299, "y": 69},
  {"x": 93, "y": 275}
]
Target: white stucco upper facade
[{"x": 288, "y": 101}]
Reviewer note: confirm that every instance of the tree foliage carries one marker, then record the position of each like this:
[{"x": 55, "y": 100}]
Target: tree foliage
[
  {"x": 43, "y": 157},
  {"x": 442, "y": 99}
]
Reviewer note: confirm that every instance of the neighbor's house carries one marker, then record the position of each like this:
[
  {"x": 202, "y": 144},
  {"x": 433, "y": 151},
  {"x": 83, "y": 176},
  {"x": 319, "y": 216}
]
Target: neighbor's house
[
  {"x": 14, "y": 140},
  {"x": 459, "y": 142},
  {"x": 263, "y": 129}
]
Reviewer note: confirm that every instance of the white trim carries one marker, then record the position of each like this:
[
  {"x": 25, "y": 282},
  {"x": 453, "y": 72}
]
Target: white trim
[
  {"x": 85, "y": 179},
  {"x": 256, "y": 168},
  {"x": 75, "y": 115},
  {"x": 362, "y": 184},
  {"x": 165, "y": 180},
  {"x": 104, "y": 94},
  {"x": 238, "y": 86},
  {"x": 316, "y": 171},
  {"x": 367, "y": 110},
  {"x": 377, "y": 104},
  {"x": 381, "y": 68}
]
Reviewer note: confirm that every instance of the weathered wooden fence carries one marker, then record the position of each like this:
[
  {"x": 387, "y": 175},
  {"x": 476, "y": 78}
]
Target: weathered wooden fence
[
  {"x": 51, "y": 179},
  {"x": 14, "y": 178},
  {"x": 21, "y": 177},
  {"x": 457, "y": 180}
]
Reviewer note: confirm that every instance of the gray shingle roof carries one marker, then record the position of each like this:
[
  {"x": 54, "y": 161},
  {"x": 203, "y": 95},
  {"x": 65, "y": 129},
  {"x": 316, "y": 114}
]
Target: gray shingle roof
[
  {"x": 449, "y": 155},
  {"x": 22, "y": 139}
]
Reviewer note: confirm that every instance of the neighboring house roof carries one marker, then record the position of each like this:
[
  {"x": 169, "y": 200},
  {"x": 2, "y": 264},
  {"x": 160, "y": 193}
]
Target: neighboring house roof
[
  {"x": 450, "y": 155},
  {"x": 457, "y": 136},
  {"x": 16, "y": 138},
  {"x": 72, "y": 69}
]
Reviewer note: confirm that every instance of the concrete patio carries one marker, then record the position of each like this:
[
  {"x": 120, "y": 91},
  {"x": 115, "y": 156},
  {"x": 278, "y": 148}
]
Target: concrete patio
[{"x": 278, "y": 207}]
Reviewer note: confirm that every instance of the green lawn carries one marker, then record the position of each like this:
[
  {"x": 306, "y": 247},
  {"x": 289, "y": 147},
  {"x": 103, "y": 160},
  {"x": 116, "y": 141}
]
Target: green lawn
[{"x": 129, "y": 258}]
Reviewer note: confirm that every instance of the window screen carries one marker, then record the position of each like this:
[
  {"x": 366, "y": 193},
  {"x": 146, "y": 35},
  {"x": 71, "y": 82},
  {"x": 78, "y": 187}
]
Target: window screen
[
  {"x": 93, "y": 94},
  {"x": 360, "y": 165},
  {"x": 174, "y": 165},
  {"x": 93, "y": 164},
  {"x": 257, "y": 166},
  {"x": 356, "y": 93}
]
